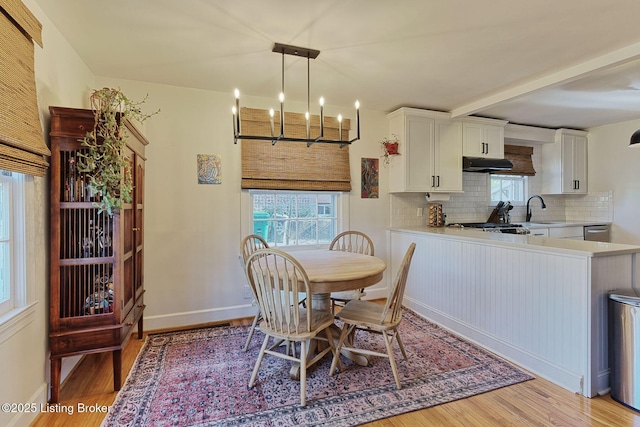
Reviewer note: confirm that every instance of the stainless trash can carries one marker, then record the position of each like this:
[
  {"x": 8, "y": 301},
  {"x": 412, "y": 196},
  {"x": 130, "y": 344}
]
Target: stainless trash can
[{"x": 624, "y": 346}]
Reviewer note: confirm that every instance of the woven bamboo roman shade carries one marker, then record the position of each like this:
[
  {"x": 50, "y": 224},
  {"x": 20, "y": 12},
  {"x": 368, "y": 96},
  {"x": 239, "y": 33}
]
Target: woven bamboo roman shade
[
  {"x": 22, "y": 145},
  {"x": 521, "y": 157},
  {"x": 293, "y": 165}
]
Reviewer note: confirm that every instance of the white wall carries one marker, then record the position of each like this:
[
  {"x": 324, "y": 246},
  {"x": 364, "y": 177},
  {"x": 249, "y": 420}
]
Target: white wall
[
  {"x": 61, "y": 79},
  {"x": 613, "y": 165},
  {"x": 193, "y": 232},
  {"x": 192, "y": 272}
]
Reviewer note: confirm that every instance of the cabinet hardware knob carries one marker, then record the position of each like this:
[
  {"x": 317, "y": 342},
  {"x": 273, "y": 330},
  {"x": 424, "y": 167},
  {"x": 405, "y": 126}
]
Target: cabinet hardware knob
[{"x": 136, "y": 229}]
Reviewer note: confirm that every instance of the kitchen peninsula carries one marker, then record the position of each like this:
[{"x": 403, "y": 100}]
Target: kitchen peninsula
[{"x": 537, "y": 301}]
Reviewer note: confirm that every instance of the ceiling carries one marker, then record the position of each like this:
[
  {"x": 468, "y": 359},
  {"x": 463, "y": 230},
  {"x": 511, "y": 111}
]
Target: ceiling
[{"x": 569, "y": 63}]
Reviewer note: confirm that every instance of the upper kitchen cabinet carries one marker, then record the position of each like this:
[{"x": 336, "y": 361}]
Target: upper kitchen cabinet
[
  {"x": 564, "y": 163},
  {"x": 430, "y": 152},
  {"x": 483, "y": 138}
]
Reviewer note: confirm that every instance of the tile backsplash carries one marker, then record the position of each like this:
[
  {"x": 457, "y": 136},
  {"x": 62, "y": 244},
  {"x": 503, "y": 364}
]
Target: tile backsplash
[{"x": 474, "y": 205}]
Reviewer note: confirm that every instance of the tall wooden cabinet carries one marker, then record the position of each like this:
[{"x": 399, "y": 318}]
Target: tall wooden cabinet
[{"x": 96, "y": 264}]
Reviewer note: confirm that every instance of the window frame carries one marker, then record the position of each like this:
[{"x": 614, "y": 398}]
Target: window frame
[
  {"x": 342, "y": 214},
  {"x": 23, "y": 310},
  {"x": 7, "y": 241},
  {"x": 525, "y": 188}
]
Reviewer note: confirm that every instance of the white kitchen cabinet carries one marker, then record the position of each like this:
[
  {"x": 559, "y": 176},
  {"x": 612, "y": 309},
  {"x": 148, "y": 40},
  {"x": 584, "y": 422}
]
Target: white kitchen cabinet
[
  {"x": 430, "y": 148},
  {"x": 564, "y": 163},
  {"x": 541, "y": 232},
  {"x": 483, "y": 138},
  {"x": 575, "y": 233}
]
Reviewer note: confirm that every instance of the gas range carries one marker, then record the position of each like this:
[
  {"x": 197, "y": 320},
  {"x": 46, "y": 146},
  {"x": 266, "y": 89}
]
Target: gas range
[{"x": 493, "y": 227}]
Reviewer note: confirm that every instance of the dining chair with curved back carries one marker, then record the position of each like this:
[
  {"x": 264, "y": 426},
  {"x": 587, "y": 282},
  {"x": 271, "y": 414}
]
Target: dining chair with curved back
[
  {"x": 377, "y": 318},
  {"x": 356, "y": 242},
  {"x": 249, "y": 245},
  {"x": 277, "y": 280}
]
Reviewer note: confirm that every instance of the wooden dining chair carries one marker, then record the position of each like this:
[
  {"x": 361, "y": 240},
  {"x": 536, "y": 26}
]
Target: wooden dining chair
[
  {"x": 278, "y": 279},
  {"x": 376, "y": 318},
  {"x": 249, "y": 245},
  {"x": 356, "y": 242}
]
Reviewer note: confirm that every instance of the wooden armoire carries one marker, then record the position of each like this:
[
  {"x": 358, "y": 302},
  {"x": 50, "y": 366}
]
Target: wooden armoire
[{"x": 96, "y": 260}]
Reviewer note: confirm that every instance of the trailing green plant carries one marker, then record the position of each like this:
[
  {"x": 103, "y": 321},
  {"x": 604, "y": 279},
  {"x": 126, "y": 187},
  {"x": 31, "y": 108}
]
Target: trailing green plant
[{"x": 109, "y": 171}]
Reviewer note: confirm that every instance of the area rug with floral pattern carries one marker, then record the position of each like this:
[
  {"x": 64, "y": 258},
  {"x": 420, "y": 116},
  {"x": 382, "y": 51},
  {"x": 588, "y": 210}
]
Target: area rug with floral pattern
[{"x": 199, "y": 378}]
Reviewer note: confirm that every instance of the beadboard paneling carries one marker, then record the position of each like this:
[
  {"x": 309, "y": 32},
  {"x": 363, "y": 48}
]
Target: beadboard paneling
[{"x": 546, "y": 312}]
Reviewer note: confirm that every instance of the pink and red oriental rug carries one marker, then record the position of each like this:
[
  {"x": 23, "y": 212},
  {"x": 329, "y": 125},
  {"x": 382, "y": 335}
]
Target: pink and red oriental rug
[{"x": 199, "y": 378}]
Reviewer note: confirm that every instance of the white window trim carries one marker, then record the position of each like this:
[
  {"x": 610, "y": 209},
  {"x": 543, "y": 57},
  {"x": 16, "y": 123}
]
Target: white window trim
[
  {"x": 23, "y": 271},
  {"x": 246, "y": 217}
]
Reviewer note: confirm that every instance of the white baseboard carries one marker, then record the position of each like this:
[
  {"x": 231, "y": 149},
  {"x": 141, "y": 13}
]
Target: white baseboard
[
  {"x": 529, "y": 361},
  {"x": 197, "y": 317},
  {"x": 38, "y": 400},
  {"x": 220, "y": 314}
]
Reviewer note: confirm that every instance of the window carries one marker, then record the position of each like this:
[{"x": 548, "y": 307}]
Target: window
[
  {"x": 6, "y": 239},
  {"x": 512, "y": 188},
  {"x": 291, "y": 218},
  {"x": 13, "y": 292}
]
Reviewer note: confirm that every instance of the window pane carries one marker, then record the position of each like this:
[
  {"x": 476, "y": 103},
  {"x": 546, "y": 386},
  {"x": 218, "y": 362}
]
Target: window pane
[
  {"x": 508, "y": 188},
  {"x": 295, "y": 218},
  {"x": 5, "y": 242},
  {"x": 307, "y": 207},
  {"x": 326, "y": 231},
  {"x": 4, "y": 285},
  {"x": 4, "y": 209}
]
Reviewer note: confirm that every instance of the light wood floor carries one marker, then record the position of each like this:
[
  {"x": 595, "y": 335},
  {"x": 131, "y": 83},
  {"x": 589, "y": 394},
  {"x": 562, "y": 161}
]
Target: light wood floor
[{"x": 532, "y": 403}]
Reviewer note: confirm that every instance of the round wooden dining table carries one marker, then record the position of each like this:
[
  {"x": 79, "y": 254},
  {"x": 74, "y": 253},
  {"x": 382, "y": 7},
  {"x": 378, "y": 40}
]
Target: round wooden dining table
[{"x": 336, "y": 271}]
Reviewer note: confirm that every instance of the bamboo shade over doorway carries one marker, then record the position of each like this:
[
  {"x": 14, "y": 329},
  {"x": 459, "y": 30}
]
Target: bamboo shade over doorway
[
  {"x": 521, "y": 157},
  {"x": 22, "y": 145},
  {"x": 293, "y": 165}
]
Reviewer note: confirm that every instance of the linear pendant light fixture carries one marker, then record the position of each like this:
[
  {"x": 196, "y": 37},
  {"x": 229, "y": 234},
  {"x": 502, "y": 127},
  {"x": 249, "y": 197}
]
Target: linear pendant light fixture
[{"x": 303, "y": 53}]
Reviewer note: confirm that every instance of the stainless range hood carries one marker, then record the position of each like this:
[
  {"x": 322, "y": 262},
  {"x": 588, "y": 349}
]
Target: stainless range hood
[{"x": 477, "y": 164}]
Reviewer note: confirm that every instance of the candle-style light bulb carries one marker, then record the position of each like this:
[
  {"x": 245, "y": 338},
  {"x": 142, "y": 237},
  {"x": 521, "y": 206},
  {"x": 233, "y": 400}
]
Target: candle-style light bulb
[
  {"x": 281, "y": 113},
  {"x": 271, "y": 112},
  {"x": 237, "y": 94},
  {"x": 340, "y": 127},
  {"x": 306, "y": 116},
  {"x": 358, "y": 118},
  {"x": 321, "y": 117},
  {"x": 235, "y": 130}
]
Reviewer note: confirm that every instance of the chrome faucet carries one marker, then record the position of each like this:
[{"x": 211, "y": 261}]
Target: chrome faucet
[{"x": 529, "y": 209}]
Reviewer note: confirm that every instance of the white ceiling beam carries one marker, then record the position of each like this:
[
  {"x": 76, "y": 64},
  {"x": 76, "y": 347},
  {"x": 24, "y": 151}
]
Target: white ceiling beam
[{"x": 575, "y": 72}]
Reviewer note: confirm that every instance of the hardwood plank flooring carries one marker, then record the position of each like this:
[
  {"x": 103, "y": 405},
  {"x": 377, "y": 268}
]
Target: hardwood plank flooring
[{"x": 532, "y": 403}]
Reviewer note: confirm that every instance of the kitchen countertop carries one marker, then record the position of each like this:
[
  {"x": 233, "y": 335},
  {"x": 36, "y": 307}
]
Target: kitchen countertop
[{"x": 577, "y": 247}]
